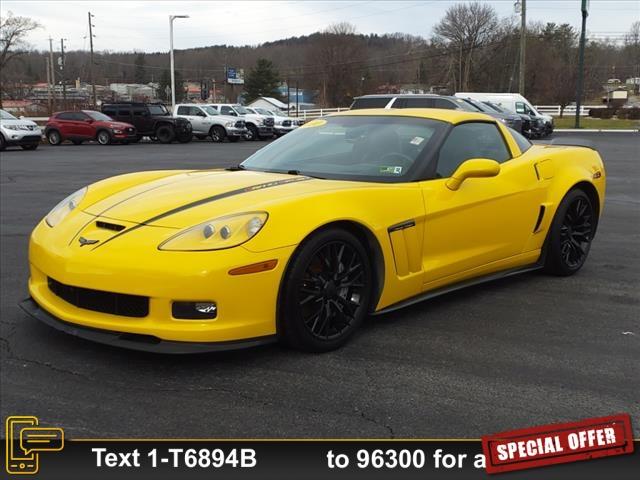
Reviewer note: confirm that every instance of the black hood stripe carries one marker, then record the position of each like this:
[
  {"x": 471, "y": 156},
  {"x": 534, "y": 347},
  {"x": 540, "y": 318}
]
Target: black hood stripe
[{"x": 202, "y": 201}]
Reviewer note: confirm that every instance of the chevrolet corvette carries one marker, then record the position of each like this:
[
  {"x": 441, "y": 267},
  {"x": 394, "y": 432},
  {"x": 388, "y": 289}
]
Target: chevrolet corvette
[{"x": 358, "y": 213}]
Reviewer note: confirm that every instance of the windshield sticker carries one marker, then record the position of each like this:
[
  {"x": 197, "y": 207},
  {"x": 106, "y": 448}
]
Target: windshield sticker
[
  {"x": 416, "y": 141},
  {"x": 391, "y": 170},
  {"x": 314, "y": 123}
]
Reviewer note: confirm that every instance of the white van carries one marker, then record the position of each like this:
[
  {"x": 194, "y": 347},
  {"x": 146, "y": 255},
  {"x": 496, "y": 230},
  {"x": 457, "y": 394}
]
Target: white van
[{"x": 511, "y": 101}]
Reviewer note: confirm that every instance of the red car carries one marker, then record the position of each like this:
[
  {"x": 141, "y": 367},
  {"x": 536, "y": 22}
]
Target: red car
[{"x": 88, "y": 125}]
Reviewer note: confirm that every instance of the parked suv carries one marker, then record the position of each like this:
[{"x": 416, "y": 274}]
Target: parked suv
[
  {"x": 511, "y": 120},
  {"x": 151, "y": 120},
  {"x": 411, "y": 101},
  {"x": 18, "y": 131},
  {"x": 282, "y": 123},
  {"x": 206, "y": 122},
  {"x": 258, "y": 126},
  {"x": 87, "y": 125}
]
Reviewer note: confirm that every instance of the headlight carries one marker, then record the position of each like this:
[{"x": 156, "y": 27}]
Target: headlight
[
  {"x": 117, "y": 131},
  {"x": 228, "y": 124},
  {"x": 61, "y": 210},
  {"x": 223, "y": 232},
  {"x": 12, "y": 127},
  {"x": 261, "y": 121}
]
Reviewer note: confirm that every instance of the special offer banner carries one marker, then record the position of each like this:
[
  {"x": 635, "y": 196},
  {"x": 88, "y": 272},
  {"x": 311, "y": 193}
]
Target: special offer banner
[{"x": 588, "y": 449}]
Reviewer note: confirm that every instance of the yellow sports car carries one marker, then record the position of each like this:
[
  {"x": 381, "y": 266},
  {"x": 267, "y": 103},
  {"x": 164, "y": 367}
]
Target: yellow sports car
[{"x": 358, "y": 213}]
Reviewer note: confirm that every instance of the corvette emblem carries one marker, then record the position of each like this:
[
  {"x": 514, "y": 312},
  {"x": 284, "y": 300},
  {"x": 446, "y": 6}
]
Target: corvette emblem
[{"x": 85, "y": 241}]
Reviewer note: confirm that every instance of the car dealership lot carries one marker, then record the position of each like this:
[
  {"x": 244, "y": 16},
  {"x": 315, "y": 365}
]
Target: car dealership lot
[{"x": 522, "y": 351}]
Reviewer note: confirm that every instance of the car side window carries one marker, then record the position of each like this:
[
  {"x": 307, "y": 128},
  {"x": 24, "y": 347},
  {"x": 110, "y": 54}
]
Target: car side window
[
  {"x": 226, "y": 110},
  {"x": 80, "y": 117},
  {"x": 111, "y": 112},
  {"x": 183, "y": 111},
  {"x": 65, "y": 116},
  {"x": 419, "y": 103},
  {"x": 520, "y": 108},
  {"x": 197, "y": 112},
  {"x": 522, "y": 142},
  {"x": 442, "y": 103},
  {"x": 471, "y": 140}
]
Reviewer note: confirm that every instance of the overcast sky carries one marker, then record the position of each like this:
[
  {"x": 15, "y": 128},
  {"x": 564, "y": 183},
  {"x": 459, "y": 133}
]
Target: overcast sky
[{"x": 140, "y": 25}]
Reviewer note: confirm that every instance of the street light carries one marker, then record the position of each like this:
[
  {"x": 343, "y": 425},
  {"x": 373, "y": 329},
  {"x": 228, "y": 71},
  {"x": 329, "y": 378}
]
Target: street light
[{"x": 173, "y": 74}]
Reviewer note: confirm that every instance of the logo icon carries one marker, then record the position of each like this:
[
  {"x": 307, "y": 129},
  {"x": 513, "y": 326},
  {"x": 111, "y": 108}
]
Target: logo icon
[
  {"x": 86, "y": 241},
  {"x": 25, "y": 441}
]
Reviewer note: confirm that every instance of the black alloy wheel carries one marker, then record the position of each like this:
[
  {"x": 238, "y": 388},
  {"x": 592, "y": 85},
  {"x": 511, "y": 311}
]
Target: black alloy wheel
[
  {"x": 327, "y": 291},
  {"x": 165, "y": 134},
  {"x": 571, "y": 234}
]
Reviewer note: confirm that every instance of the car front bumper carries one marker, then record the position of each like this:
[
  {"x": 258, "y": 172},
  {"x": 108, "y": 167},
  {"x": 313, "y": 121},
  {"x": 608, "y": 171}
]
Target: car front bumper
[
  {"x": 280, "y": 130},
  {"x": 246, "y": 304},
  {"x": 22, "y": 137},
  {"x": 262, "y": 130},
  {"x": 236, "y": 132}
]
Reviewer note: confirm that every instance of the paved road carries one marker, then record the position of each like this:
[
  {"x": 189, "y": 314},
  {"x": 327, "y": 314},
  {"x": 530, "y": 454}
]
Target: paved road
[{"x": 523, "y": 351}]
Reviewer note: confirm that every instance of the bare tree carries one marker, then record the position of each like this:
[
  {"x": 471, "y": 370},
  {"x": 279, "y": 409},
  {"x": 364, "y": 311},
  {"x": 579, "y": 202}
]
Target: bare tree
[
  {"x": 13, "y": 31},
  {"x": 632, "y": 38},
  {"x": 464, "y": 29}
]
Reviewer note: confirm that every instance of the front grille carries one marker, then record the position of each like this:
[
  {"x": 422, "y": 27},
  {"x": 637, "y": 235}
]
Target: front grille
[
  {"x": 268, "y": 122},
  {"x": 239, "y": 124},
  {"x": 100, "y": 301},
  {"x": 286, "y": 123}
]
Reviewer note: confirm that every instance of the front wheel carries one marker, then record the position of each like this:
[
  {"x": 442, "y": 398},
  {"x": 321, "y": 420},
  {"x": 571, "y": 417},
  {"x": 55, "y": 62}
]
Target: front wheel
[
  {"x": 54, "y": 137},
  {"x": 165, "y": 134},
  {"x": 104, "y": 137},
  {"x": 570, "y": 235},
  {"x": 326, "y": 292},
  {"x": 251, "y": 133},
  {"x": 218, "y": 134}
]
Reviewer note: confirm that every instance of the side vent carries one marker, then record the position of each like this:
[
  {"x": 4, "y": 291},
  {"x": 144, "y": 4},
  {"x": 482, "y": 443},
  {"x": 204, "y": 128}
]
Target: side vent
[
  {"x": 540, "y": 217},
  {"x": 110, "y": 226}
]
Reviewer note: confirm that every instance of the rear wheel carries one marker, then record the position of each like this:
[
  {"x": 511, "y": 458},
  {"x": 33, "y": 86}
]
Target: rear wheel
[
  {"x": 54, "y": 137},
  {"x": 218, "y": 133},
  {"x": 326, "y": 292},
  {"x": 165, "y": 134},
  {"x": 103, "y": 137},
  {"x": 30, "y": 147},
  {"x": 570, "y": 235}
]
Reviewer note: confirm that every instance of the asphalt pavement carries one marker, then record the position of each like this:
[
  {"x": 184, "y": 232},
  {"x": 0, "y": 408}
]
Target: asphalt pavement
[{"x": 523, "y": 351}]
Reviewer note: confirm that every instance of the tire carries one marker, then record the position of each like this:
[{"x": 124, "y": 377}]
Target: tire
[
  {"x": 3, "y": 143},
  {"x": 233, "y": 139},
  {"x": 165, "y": 134},
  {"x": 54, "y": 137},
  {"x": 76, "y": 142},
  {"x": 103, "y": 137},
  {"x": 570, "y": 235},
  {"x": 29, "y": 147},
  {"x": 328, "y": 257},
  {"x": 217, "y": 134},
  {"x": 251, "y": 133}
]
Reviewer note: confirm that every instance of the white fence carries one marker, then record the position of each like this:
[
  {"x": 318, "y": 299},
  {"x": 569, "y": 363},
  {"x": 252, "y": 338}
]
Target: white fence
[{"x": 554, "y": 110}]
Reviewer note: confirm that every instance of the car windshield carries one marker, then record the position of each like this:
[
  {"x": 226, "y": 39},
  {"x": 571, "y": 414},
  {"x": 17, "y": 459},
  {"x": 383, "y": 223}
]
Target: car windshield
[
  {"x": 158, "y": 110},
  {"x": 241, "y": 110},
  {"x": 476, "y": 105},
  {"x": 100, "y": 117},
  {"x": 6, "y": 116},
  {"x": 365, "y": 148},
  {"x": 263, "y": 111},
  {"x": 210, "y": 110}
]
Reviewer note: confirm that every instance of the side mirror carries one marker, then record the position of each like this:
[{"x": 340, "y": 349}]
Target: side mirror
[
  {"x": 233, "y": 114},
  {"x": 473, "y": 168}
]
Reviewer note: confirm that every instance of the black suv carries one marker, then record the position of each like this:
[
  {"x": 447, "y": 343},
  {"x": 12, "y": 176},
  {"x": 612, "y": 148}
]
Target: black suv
[{"x": 151, "y": 120}]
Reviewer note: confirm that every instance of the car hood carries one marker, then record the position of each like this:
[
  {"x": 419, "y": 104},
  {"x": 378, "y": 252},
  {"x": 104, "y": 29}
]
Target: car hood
[
  {"x": 186, "y": 199},
  {"x": 19, "y": 122}
]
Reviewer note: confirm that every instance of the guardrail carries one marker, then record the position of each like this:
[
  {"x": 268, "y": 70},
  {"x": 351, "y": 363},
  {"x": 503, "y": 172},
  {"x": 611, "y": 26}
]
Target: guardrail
[{"x": 569, "y": 111}]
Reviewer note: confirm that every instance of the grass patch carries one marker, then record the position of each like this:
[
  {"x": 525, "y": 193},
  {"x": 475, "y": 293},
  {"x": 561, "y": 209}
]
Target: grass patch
[{"x": 598, "y": 123}]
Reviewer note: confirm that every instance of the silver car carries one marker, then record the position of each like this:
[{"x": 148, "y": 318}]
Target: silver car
[
  {"x": 18, "y": 131},
  {"x": 206, "y": 121}
]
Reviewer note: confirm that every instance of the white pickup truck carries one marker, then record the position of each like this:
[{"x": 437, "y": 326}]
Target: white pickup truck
[
  {"x": 206, "y": 121},
  {"x": 282, "y": 123},
  {"x": 258, "y": 126}
]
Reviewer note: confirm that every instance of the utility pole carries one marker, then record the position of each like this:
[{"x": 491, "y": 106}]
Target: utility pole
[
  {"x": 297, "y": 99},
  {"x": 523, "y": 42},
  {"x": 53, "y": 74},
  {"x": 48, "y": 87},
  {"x": 173, "y": 73},
  {"x": 64, "y": 85},
  {"x": 585, "y": 12},
  {"x": 288, "y": 97},
  {"x": 93, "y": 85}
]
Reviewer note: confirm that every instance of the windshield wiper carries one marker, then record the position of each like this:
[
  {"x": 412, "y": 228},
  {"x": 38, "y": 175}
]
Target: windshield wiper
[
  {"x": 298, "y": 172},
  {"x": 236, "y": 168}
]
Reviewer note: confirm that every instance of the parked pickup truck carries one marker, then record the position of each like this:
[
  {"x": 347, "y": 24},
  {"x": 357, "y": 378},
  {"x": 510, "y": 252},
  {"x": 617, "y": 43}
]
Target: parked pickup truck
[
  {"x": 258, "y": 126},
  {"x": 206, "y": 122},
  {"x": 282, "y": 123},
  {"x": 151, "y": 120}
]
